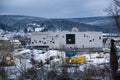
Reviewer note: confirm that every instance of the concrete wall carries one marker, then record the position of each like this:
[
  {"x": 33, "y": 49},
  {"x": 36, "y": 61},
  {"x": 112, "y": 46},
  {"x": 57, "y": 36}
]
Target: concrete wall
[{"x": 58, "y": 39}]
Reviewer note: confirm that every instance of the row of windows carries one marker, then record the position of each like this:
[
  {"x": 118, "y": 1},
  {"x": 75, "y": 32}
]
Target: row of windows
[
  {"x": 94, "y": 39},
  {"x": 52, "y": 38},
  {"x": 82, "y": 46},
  {"x": 42, "y": 42},
  {"x": 54, "y": 42},
  {"x": 70, "y": 47},
  {"x": 57, "y": 36},
  {"x": 39, "y": 42},
  {"x": 86, "y": 35},
  {"x": 63, "y": 37},
  {"x": 70, "y": 39},
  {"x": 89, "y": 36}
]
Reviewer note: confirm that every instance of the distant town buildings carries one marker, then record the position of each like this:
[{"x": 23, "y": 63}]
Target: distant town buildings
[
  {"x": 16, "y": 43},
  {"x": 34, "y": 27}
]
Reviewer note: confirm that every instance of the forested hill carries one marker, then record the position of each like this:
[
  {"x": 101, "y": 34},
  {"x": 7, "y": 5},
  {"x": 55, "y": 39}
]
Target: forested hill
[{"x": 16, "y": 22}]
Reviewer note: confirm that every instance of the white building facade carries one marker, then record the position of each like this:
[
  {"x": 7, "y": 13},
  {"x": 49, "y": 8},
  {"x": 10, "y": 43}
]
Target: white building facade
[{"x": 69, "y": 40}]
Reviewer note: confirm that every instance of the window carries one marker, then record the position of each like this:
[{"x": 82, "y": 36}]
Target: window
[
  {"x": 44, "y": 42},
  {"x": 39, "y": 41},
  {"x": 82, "y": 46},
  {"x": 50, "y": 41},
  {"x": 84, "y": 35},
  {"x": 90, "y": 40},
  {"x": 99, "y": 37},
  {"x": 70, "y": 38},
  {"x": 43, "y": 37}
]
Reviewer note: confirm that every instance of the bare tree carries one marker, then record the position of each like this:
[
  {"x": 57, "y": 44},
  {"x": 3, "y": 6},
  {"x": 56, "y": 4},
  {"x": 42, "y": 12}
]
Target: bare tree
[
  {"x": 117, "y": 2},
  {"x": 113, "y": 10}
]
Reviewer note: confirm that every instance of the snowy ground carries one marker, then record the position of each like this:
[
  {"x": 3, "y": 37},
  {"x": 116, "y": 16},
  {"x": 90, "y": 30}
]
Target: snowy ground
[{"x": 24, "y": 62}]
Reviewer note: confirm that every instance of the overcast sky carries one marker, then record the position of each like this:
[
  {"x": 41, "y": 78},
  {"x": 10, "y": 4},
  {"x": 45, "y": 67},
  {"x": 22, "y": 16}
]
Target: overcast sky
[{"x": 54, "y": 8}]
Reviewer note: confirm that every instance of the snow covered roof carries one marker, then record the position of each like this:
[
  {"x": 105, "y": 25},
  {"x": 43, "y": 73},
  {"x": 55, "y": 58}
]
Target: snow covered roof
[
  {"x": 15, "y": 41},
  {"x": 21, "y": 52}
]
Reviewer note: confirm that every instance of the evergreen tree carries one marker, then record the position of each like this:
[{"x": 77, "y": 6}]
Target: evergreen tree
[
  {"x": 25, "y": 30},
  {"x": 2, "y": 26},
  {"x": 113, "y": 59}
]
